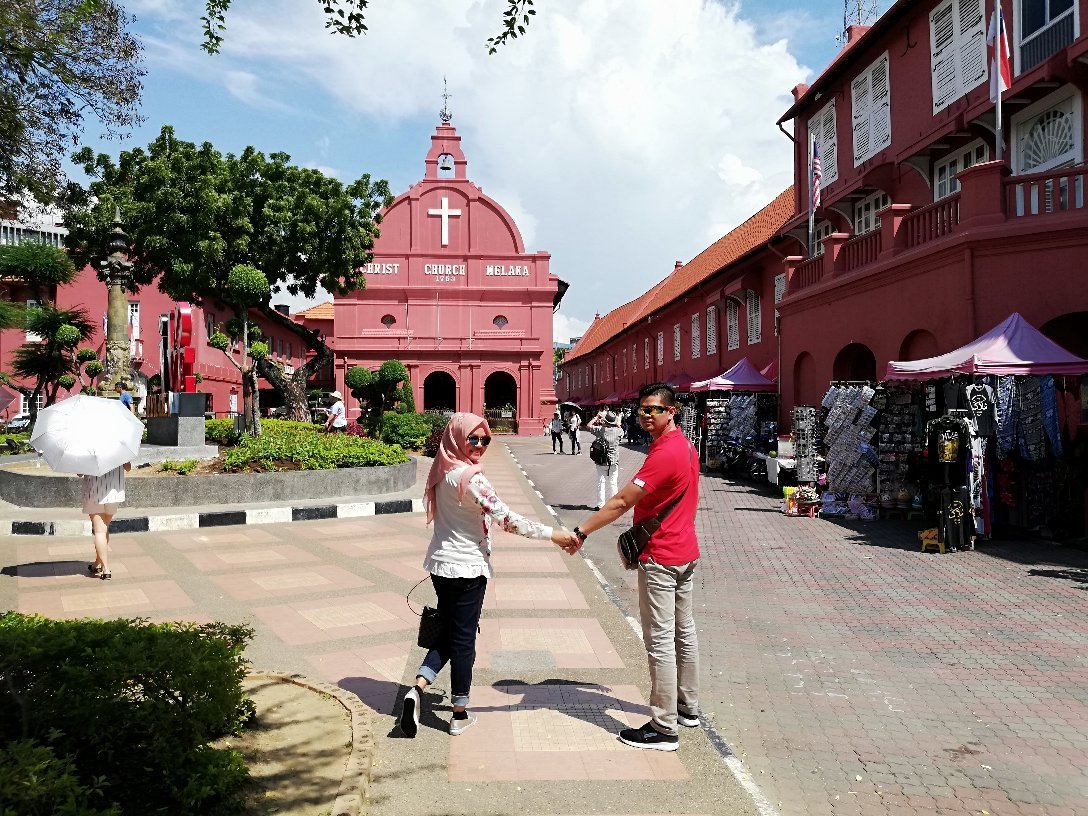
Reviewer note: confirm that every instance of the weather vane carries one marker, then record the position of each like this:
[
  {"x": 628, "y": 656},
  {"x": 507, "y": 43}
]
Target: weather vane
[{"x": 445, "y": 114}]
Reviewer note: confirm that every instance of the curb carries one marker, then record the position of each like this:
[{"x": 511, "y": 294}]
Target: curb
[
  {"x": 352, "y": 794},
  {"x": 215, "y": 518}
]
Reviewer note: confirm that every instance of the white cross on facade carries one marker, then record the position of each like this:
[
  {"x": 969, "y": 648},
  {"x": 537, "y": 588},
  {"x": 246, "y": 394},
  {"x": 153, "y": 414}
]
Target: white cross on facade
[{"x": 445, "y": 212}]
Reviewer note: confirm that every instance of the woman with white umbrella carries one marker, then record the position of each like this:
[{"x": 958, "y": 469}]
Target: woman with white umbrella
[
  {"x": 97, "y": 439},
  {"x": 101, "y": 495}
]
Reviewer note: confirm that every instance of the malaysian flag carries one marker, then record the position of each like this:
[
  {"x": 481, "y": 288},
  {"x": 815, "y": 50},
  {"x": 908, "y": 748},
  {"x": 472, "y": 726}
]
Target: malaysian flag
[
  {"x": 817, "y": 175},
  {"x": 997, "y": 46}
]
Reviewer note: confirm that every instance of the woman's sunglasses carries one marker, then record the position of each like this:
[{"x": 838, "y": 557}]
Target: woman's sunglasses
[
  {"x": 652, "y": 410},
  {"x": 479, "y": 440}
]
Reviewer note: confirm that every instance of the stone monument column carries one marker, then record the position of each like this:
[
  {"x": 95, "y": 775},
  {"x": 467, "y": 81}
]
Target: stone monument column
[{"x": 118, "y": 275}]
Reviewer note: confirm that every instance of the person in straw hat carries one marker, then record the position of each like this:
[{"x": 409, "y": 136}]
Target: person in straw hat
[{"x": 606, "y": 427}]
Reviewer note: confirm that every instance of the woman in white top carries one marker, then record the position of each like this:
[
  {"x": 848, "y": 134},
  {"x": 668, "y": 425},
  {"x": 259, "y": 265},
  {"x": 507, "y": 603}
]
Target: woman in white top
[
  {"x": 607, "y": 428},
  {"x": 463, "y": 506},
  {"x": 101, "y": 495}
]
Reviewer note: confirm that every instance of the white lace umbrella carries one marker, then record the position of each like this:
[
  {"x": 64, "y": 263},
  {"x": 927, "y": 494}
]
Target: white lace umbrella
[{"x": 88, "y": 435}]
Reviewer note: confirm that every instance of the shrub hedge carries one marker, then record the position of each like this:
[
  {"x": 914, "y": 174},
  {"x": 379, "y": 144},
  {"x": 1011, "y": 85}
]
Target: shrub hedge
[
  {"x": 310, "y": 451},
  {"x": 407, "y": 430},
  {"x": 34, "y": 781},
  {"x": 132, "y": 704}
]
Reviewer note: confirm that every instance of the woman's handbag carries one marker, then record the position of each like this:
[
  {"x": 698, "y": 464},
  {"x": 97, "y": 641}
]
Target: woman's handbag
[{"x": 430, "y": 623}]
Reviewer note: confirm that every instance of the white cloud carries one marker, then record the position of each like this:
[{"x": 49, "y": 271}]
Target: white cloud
[
  {"x": 564, "y": 328},
  {"x": 324, "y": 169},
  {"x": 246, "y": 87},
  {"x": 622, "y": 134}
]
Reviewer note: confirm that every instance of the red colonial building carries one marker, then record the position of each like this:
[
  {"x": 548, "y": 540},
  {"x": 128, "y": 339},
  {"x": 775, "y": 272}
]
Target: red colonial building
[
  {"x": 923, "y": 241},
  {"x": 452, "y": 294}
]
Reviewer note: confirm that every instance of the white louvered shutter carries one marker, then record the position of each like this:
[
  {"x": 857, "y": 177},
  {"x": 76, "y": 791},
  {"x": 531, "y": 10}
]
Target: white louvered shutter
[
  {"x": 712, "y": 330},
  {"x": 646, "y": 353},
  {"x": 660, "y": 348},
  {"x": 943, "y": 57},
  {"x": 779, "y": 287},
  {"x": 676, "y": 342},
  {"x": 732, "y": 325},
  {"x": 880, "y": 107},
  {"x": 822, "y": 128},
  {"x": 860, "y": 97},
  {"x": 752, "y": 302},
  {"x": 696, "y": 336},
  {"x": 971, "y": 45}
]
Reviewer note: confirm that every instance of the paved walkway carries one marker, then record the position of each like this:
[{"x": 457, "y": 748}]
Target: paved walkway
[
  {"x": 559, "y": 670},
  {"x": 856, "y": 675}
]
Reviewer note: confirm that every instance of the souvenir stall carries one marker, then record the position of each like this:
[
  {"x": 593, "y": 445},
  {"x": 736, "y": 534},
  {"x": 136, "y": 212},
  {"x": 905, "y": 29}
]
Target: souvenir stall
[
  {"x": 850, "y": 430},
  {"x": 805, "y": 498},
  {"x": 1007, "y": 409},
  {"x": 740, "y": 404},
  {"x": 687, "y": 417}
]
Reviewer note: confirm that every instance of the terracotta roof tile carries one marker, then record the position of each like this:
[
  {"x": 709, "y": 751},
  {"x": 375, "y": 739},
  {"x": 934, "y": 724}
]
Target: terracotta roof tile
[
  {"x": 322, "y": 311},
  {"x": 753, "y": 233}
]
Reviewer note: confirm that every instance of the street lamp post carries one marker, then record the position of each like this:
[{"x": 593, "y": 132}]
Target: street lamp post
[{"x": 118, "y": 278}]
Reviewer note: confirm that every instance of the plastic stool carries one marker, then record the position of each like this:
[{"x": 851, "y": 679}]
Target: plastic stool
[{"x": 931, "y": 542}]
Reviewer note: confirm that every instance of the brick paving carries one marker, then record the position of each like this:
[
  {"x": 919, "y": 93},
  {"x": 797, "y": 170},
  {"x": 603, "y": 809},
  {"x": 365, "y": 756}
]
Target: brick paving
[
  {"x": 854, "y": 674},
  {"x": 558, "y": 672}
]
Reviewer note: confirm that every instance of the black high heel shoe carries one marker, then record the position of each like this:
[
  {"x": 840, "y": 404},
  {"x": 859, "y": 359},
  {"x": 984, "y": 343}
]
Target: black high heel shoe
[
  {"x": 105, "y": 576},
  {"x": 94, "y": 569}
]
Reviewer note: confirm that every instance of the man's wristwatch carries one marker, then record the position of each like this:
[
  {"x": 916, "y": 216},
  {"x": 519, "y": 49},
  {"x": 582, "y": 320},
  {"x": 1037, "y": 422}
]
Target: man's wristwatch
[{"x": 580, "y": 534}]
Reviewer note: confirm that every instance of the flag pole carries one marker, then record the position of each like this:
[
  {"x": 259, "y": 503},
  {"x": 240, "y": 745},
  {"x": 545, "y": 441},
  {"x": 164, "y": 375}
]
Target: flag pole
[
  {"x": 999, "y": 42},
  {"x": 811, "y": 202}
]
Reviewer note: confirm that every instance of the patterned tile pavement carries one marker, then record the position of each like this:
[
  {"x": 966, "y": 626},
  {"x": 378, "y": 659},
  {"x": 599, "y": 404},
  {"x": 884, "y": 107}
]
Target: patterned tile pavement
[
  {"x": 856, "y": 675},
  {"x": 558, "y": 671}
]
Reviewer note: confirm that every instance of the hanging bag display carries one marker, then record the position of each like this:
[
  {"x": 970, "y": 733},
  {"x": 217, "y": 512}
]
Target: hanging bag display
[{"x": 430, "y": 623}]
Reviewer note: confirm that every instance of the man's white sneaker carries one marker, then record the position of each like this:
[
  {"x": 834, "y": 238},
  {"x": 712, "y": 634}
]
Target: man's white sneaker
[
  {"x": 688, "y": 720},
  {"x": 458, "y": 727},
  {"x": 409, "y": 712}
]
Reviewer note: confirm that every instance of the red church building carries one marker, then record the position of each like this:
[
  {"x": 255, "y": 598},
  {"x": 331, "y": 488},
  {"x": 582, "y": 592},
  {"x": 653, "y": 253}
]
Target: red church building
[{"x": 453, "y": 294}]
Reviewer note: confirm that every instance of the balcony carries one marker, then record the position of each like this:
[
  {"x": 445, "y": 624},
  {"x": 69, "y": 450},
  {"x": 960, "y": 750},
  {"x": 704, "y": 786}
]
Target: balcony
[{"x": 988, "y": 198}]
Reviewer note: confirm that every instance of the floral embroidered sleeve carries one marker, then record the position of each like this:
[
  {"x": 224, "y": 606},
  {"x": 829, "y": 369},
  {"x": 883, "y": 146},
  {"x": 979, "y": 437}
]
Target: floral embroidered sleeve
[{"x": 485, "y": 497}]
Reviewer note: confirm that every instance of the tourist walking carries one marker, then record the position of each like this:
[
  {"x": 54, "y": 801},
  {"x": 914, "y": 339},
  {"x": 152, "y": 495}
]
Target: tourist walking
[
  {"x": 123, "y": 395},
  {"x": 666, "y": 488},
  {"x": 101, "y": 496},
  {"x": 574, "y": 423},
  {"x": 338, "y": 417},
  {"x": 606, "y": 427},
  {"x": 463, "y": 506},
  {"x": 556, "y": 427}
]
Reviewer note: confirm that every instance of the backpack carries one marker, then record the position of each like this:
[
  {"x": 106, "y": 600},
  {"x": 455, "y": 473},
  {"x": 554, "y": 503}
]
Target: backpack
[{"x": 598, "y": 451}]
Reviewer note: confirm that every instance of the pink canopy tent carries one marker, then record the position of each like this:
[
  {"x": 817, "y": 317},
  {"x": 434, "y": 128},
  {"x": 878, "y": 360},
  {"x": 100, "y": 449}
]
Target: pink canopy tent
[
  {"x": 770, "y": 371},
  {"x": 741, "y": 377},
  {"x": 1012, "y": 347},
  {"x": 681, "y": 381}
]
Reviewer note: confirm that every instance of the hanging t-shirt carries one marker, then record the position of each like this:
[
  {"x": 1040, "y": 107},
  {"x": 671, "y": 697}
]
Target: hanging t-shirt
[
  {"x": 982, "y": 404},
  {"x": 949, "y": 447}
]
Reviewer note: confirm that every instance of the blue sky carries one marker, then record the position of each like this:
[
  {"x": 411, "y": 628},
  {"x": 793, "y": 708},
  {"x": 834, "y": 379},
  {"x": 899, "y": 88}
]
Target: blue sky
[{"x": 622, "y": 135}]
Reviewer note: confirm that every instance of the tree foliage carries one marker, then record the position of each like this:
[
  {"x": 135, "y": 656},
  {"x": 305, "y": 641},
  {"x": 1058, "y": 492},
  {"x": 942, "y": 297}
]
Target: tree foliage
[
  {"x": 377, "y": 391},
  {"x": 40, "y": 266},
  {"x": 346, "y": 17},
  {"x": 193, "y": 214},
  {"x": 61, "y": 60}
]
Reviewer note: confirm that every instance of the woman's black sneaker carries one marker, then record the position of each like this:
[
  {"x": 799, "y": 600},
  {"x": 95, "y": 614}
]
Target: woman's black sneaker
[
  {"x": 409, "y": 713},
  {"x": 649, "y": 737}
]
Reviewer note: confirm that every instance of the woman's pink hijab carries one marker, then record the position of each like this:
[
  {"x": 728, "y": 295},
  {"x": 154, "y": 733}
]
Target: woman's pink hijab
[{"x": 451, "y": 454}]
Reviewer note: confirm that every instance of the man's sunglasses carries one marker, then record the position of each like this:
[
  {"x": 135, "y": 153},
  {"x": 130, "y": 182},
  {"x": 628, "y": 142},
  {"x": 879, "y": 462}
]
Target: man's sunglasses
[
  {"x": 479, "y": 440},
  {"x": 652, "y": 410}
]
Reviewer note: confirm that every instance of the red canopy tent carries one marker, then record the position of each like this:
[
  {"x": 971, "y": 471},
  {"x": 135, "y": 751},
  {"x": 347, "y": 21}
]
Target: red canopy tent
[
  {"x": 741, "y": 377},
  {"x": 1012, "y": 347}
]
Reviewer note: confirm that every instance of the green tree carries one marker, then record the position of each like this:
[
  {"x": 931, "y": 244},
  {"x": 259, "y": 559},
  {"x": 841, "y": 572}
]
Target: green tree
[
  {"x": 246, "y": 287},
  {"x": 40, "y": 267},
  {"x": 346, "y": 17},
  {"x": 60, "y": 60},
  {"x": 377, "y": 391},
  {"x": 193, "y": 215},
  {"x": 45, "y": 366},
  {"x": 88, "y": 365}
]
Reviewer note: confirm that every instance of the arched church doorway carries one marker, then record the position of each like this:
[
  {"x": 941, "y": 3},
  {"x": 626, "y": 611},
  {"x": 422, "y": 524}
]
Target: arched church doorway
[
  {"x": 1068, "y": 332},
  {"x": 500, "y": 402},
  {"x": 855, "y": 362},
  {"x": 439, "y": 392},
  {"x": 805, "y": 386},
  {"x": 918, "y": 345}
]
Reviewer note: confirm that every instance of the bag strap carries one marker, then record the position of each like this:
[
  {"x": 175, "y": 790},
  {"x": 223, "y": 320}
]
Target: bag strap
[{"x": 407, "y": 598}]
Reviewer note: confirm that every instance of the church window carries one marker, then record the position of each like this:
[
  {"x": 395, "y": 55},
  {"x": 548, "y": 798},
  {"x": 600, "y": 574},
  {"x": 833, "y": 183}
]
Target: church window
[
  {"x": 865, "y": 212},
  {"x": 1048, "y": 135},
  {"x": 944, "y": 171},
  {"x": 752, "y": 302},
  {"x": 732, "y": 325},
  {"x": 500, "y": 322},
  {"x": 388, "y": 321}
]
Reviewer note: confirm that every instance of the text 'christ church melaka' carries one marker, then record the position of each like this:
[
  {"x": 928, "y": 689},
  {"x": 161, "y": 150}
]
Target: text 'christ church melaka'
[{"x": 453, "y": 295}]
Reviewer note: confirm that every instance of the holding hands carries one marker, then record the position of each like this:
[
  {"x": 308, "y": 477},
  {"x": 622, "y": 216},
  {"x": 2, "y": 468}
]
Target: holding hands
[{"x": 570, "y": 542}]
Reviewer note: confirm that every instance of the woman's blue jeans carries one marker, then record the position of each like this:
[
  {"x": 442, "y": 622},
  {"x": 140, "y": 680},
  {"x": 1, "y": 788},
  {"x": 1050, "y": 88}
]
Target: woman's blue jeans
[{"x": 460, "y": 602}]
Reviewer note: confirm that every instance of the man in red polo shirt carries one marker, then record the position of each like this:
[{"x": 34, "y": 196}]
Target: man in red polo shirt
[{"x": 668, "y": 478}]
